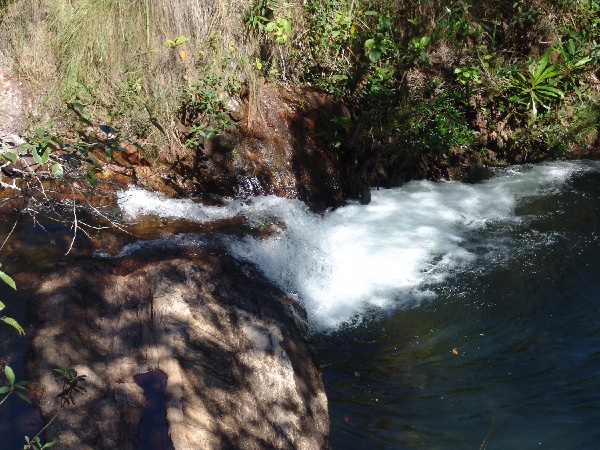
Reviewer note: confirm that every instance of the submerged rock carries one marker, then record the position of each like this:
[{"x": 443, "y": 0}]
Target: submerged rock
[{"x": 241, "y": 374}]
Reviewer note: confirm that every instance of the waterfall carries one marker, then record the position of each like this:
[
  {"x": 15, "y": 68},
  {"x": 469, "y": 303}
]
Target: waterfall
[{"x": 360, "y": 260}]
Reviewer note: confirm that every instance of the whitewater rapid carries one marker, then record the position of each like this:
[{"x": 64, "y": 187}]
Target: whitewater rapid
[{"x": 359, "y": 260}]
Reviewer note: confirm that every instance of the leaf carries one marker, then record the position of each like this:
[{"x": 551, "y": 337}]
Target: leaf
[
  {"x": 24, "y": 396},
  {"x": 94, "y": 163},
  {"x": 8, "y": 280},
  {"x": 374, "y": 54},
  {"x": 89, "y": 176},
  {"x": 41, "y": 158},
  {"x": 4, "y": 389},
  {"x": 2, "y": 306},
  {"x": 582, "y": 62},
  {"x": 9, "y": 156},
  {"x": 57, "y": 171},
  {"x": 13, "y": 323},
  {"x": 287, "y": 28},
  {"x": 10, "y": 375}
]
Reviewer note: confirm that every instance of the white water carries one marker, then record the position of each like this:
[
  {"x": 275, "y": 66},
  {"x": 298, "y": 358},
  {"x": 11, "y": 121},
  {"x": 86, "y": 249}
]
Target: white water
[{"x": 370, "y": 258}]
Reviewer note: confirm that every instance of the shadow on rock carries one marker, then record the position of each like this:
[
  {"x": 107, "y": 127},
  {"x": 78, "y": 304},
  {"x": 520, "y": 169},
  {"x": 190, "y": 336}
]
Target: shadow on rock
[{"x": 241, "y": 374}]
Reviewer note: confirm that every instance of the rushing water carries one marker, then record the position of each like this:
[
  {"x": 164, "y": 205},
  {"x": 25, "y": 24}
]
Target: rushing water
[{"x": 447, "y": 315}]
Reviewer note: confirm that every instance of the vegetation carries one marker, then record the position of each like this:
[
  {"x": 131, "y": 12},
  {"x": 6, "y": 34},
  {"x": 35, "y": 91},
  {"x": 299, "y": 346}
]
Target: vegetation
[
  {"x": 425, "y": 78},
  {"x": 69, "y": 378}
]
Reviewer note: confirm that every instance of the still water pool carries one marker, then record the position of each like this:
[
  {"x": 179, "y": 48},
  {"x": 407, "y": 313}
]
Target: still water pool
[{"x": 505, "y": 354}]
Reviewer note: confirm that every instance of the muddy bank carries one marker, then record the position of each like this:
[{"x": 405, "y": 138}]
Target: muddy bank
[{"x": 240, "y": 373}]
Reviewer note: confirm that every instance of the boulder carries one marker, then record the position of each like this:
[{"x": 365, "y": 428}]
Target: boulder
[{"x": 241, "y": 373}]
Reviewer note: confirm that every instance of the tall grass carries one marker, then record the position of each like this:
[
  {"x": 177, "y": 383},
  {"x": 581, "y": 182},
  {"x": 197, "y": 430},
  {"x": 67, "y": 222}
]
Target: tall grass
[{"x": 89, "y": 50}]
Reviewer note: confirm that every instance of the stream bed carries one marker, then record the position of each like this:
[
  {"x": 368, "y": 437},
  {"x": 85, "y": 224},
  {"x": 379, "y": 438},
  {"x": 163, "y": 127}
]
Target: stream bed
[{"x": 445, "y": 315}]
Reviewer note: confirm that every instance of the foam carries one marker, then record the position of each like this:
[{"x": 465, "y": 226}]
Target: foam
[{"x": 381, "y": 256}]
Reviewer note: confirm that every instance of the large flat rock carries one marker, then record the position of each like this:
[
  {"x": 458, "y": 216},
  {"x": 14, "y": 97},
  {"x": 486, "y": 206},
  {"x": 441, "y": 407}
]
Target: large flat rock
[{"x": 241, "y": 374}]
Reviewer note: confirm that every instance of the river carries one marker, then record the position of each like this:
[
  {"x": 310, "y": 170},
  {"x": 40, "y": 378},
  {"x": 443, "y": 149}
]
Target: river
[{"x": 446, "y": 315}]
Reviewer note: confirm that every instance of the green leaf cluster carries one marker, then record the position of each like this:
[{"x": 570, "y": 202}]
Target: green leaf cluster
[
  {"x": 538, "y": 86},
  {"x": 9, "y": 320},
  {"x": 13, "y": 387}
]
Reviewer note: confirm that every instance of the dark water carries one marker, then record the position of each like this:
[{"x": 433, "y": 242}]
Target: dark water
[{"x": 505, "y": 356}]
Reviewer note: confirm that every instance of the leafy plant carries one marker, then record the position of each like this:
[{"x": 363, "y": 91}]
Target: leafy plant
[
  {"x": 417, "y": 51},
  {"x": 12, "y": 386},
  {"x": 260, "y": 14},
  {"x": 71, "y": 384},
  {"x": 9, "y": 320},
  {"x": 468, "y": 74},
  {"x": 378, "y": 45},
  {"x": 203, "y": 108},
  {"x": 280, "y": 30},
  {"x": 36, "y": 443},
  {"x": 538, "y": 85},
  {"x": 169, "y": 43},
  {"x": 572, "y": 65}
]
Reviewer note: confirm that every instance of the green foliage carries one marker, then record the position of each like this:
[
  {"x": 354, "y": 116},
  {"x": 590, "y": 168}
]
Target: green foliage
[
  {"x": 417, "y": 51},
  {"x": 44, "y": 143},
  {"x": 432, "y": 126},
  {"x": 11, "y": 386},
  {"x": 6, "y": 155},
  {"x": 523, "y": 15},
  {"x": 203, "y": 107},
  {"x": 571, "y": 66},
  {"x": 379, "y": 44},
  {"x": 9, "y": 320},
  {"x": 260, "y": 14},
  {"x": 280, "y": 30},
  {"x": 36, "y": 444},
  {"x": 538, "y": 85},
  {"x": 71, "y": 384},
  {"x": 176, "y": 42}
]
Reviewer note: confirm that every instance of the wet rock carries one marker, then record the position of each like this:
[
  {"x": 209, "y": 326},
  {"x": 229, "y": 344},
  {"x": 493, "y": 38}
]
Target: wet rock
[
  {"x": 235, "y": 108},
  {"x": 241, "y": 374},
  {"x": 277, "y": 147}
]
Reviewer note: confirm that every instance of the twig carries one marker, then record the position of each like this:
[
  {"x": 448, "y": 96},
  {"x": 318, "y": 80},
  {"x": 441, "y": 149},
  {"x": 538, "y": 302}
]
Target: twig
[
  {"x": 484, "y": 443},
  {"x": 10, "y": 233},
  {"x": 74, "y": 222}
]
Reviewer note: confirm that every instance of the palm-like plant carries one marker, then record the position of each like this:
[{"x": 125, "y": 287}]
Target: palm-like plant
[{"x": 537, "y": 86}]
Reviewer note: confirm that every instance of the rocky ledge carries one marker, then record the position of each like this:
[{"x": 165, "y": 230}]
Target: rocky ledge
[{"x": 241, "y": 373}]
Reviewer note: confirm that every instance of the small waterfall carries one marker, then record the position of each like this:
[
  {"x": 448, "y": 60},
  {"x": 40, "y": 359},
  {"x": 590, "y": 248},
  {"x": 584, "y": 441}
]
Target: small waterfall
[{"x": 359, "y": 260}]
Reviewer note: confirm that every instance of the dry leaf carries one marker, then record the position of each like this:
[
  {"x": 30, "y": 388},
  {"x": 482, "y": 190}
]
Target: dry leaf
[{"x": 182, "y": 55}]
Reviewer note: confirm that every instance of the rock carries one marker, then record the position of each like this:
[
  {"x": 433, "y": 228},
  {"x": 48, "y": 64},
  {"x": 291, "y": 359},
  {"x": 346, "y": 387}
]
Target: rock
[
  {"x": 235, "y": 108},
  {"x": 13, "y": 107},
  {"x": 241, "y": 374},
  {"x": 276, "y": 147}
]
